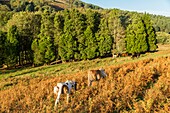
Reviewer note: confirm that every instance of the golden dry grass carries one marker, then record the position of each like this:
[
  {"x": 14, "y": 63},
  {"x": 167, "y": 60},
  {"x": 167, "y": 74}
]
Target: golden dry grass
[{"x": 137, "y": 87}]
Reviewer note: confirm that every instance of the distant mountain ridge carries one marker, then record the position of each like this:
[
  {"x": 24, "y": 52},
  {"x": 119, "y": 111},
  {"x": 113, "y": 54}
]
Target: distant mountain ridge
[
  {"x": 64, "y": 4},
  {"x": 17, "y": 5}
]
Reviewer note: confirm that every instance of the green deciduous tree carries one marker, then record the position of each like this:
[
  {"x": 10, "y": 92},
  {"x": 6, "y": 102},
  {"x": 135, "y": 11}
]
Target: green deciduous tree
[
  {"x": 73, "y": 31},
  {"x": 150, "y": 33},
  {"x": 11, "y": 44},
  {"x": 90, "y": 44},
  {"x": 38, "y": 59},
  {"x": 4, "y": 17},
  {"x": 93, "y": 20},
  {"x": 67, "y": 43},
  {"x": 117, "y": 31},
  {"x": 28, "y": 25},
  {"x": 58, "y": 31},
  {"x": 89, "y": 47},
  {"x": 46, "y": 49},
  {"x": 43, "y": 50},
  {"x": 136, "y": 40},
  {"x": 47, "y": 24},
  {"x": 104, "y": 39},
  {"x": 2, "y": 47},
  {"x": 78, "y": 27},
  {"x": 45, "y": 41}
]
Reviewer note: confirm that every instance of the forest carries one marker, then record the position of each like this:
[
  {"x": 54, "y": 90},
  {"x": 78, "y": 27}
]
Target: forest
[{"x": 36, "y": 33}]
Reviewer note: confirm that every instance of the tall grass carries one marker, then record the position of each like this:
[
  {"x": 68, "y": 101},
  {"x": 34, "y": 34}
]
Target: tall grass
[{"x": 133, "y": 85}]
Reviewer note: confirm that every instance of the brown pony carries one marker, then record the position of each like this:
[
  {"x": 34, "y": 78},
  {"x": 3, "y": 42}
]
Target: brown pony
[{"x": 95, "y": 75}]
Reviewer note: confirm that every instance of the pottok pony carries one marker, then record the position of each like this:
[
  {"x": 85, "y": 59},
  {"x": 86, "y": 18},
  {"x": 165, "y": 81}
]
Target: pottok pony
[
  {"x": 95, "y": 75},
  {"x": 64, "y": 88}
]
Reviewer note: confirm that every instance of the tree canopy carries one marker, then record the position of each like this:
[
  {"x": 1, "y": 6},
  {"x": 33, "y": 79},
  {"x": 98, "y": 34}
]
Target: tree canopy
[{"x": 45, "y": 36}]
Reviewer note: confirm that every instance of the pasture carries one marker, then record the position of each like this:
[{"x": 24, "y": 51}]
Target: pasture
[{"x": 132, "y": 85}]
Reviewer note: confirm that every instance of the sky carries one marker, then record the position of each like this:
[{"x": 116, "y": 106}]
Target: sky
[{"x": 158, "y": 7}]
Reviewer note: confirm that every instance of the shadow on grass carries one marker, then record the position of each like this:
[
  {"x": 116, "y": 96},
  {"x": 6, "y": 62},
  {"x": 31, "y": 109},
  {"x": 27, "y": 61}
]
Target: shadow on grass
[{"x": 22, "y": 71}]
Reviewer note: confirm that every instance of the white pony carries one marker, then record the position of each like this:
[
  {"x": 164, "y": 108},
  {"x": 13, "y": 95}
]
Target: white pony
[{"x": 64, "y": 87}]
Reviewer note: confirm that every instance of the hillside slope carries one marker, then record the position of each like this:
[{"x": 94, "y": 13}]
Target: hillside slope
[
  {"x": 64, "y": 4},
  {"x": 56, "y": 4},
  {"x": 141, "y": 86}
]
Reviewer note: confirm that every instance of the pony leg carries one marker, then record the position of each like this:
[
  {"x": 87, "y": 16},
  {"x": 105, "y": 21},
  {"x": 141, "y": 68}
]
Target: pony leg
[
  {"x": 57, "y": 100},
  {"x": 89, "y": 82},
  {"x": 67, "y": 98}
]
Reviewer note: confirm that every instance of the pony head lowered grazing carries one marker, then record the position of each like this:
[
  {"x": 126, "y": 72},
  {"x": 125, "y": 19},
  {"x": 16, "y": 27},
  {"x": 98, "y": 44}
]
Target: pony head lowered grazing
[
  {"x": 95, "y": 75},
  {"x": 64, "y": 88}
]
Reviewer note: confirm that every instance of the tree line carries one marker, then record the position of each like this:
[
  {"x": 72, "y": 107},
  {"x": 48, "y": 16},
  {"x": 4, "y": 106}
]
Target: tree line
[
  {"x": 161, "y": 23},
  {"x": 43, "y": 37}
]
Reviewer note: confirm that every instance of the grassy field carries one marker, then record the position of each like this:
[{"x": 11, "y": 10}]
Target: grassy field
[{"x": 133, "y": 85}]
